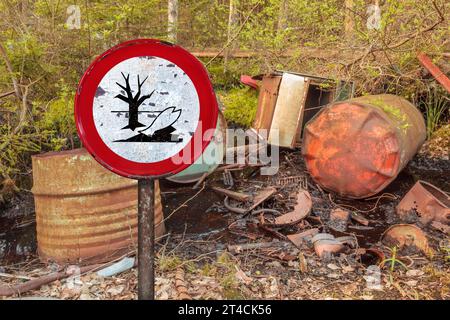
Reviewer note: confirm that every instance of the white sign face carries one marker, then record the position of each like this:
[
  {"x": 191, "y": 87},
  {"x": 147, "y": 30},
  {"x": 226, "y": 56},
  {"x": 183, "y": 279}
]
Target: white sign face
[{"x": 146, "y": 109}]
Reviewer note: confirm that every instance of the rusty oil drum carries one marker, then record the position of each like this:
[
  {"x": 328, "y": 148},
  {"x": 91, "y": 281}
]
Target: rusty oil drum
[
  {"x": 85, "y": 213},
  {"x": 357, "y": 147}
]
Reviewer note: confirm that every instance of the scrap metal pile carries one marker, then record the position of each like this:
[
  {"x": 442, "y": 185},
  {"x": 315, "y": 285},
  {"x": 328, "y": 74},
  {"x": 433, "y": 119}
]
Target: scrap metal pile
[
  {"x": 289, "y": 214},
  {"x": 351, "y": 148}
]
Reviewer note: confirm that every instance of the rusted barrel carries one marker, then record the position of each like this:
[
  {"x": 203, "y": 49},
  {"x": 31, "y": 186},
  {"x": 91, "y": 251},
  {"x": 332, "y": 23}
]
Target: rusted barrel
[
  {"x": 358, "y": 146},
  {"x": 84, "y": 213}
]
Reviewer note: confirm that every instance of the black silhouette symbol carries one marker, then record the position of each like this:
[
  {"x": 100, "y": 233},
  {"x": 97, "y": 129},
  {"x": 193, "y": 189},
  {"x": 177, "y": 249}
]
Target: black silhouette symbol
[
  {"x": 133, "y": 102},
  {"x": 161, "y": 128}
]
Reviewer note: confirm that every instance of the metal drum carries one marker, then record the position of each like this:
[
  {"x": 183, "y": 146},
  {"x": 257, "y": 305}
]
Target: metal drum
[
  {"x": 85, "y": 213},
  {"x": 357, "y": 147}
]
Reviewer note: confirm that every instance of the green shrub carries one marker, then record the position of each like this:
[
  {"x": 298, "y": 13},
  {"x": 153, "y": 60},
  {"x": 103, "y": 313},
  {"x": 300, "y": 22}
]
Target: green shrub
[
  {"x": 240, "y": 105},
  {"x": 58, "y": 119},
  {"x": 222, "y": 79},
  {"x": 437, "y": 107}
]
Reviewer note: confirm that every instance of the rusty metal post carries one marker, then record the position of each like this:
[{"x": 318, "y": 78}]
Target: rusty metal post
[{"x": 146, "y": 239}]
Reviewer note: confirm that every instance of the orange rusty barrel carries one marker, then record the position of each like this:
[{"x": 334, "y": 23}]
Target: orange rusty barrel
[
  {"x": 84, "y": 213},
  {"x": 357, "y": 147}
]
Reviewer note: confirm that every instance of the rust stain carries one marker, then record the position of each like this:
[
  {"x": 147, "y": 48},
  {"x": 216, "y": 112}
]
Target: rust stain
[
  {"x": 407, "y": 235},
  {"x": 84, "y": 213},
  {"x": 428, "y": 201},
  {"x": 266, "y": 101},
  {"x": 301, "y": 210},
  {"x": 357, "y": 147}
]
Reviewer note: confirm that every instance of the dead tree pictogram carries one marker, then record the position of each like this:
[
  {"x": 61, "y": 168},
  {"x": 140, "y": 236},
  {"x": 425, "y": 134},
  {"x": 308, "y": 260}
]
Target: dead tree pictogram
[{"x": 133, "y": 102}]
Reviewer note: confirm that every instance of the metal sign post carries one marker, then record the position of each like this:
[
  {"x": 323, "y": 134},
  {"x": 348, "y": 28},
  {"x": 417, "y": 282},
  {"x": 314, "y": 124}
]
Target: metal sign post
[
  {"x": 146, "y": 239},
  {"x": 141, "y": 107}
]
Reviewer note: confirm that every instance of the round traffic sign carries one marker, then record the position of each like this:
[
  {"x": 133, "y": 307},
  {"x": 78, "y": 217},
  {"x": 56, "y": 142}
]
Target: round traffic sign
[{"x": 146, "y": 108}]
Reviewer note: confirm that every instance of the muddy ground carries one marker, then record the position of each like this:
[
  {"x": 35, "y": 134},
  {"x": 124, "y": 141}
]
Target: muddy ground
[{"x": 196, "y": 250}]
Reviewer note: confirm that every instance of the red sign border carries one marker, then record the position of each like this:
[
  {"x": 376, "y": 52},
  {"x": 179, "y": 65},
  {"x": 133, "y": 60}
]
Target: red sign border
[{"x": 87, "y": 87}]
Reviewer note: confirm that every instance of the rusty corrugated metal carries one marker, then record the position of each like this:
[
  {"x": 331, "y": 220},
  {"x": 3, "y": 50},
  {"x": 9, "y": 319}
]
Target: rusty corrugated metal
[
  {"x": 84, "y": 213},
  {"x": 357, "y": 147},
  {"x": 266, "y": 101}
]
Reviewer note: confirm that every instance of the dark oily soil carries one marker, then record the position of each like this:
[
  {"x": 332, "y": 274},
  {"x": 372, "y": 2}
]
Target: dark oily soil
[{"x": 17, "y": 230}]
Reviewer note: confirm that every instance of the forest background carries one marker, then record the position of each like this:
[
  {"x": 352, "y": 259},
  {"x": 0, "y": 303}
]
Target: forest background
[{"x": 46, "y": 45}]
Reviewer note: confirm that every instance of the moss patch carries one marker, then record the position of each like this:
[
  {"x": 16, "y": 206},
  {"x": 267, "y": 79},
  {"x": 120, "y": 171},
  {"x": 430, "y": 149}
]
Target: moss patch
[
  {"x": 240, "y": 105},
  {"x": 392, "y": 112}
]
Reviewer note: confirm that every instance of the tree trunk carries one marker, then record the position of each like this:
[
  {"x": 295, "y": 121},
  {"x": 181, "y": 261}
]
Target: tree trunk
[
  {"x": 349, "y": 23},
  {"x": 282, "y": 16},
  {"x": 172, "y": 20},
  {"x": 232, "y": 22}
]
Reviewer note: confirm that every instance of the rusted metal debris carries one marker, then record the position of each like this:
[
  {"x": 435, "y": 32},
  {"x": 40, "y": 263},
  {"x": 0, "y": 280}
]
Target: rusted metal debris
[
  {"x": 301, "y": 211},
  {"x": 267, "y": 99},
  {"x": 355, "y": 148},
  {"x": 231, "y": 208},
  {"x": 299, "y": 238},
  {"x": 249, "y": 81},
  {"x": 359, "y": 218},
  {"x": 427, "y": 202},
  {"x": 227, "y": 178},
  {"x": 262, "y": 196},
  {"x": 180, "y": 285},
  {"x": 441, "y": 227},
  {"x": 239, "y": 196},
  {"x": 326, "y": 244},
  {"x": 292, "y": 180},
  {"x": 19, "y": 289},
  {"x": 339, "y": 219},
  {"x": 407, "y": 237},
  {"x": 287, "y": 100},
  {"x": 256, "y": 200},
  {"x": 434, "y": 70},
  {"x": 371, "y": 252}
]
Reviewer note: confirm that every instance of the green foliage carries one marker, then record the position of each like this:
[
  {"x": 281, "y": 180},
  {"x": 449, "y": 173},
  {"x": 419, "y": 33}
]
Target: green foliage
[
  {"x": 223, "y": 79},
  {"x": 58, "y": 119},
  {"x": 392, "y": 112},
  {"x": 169, "y": 262},
  {"x": 446, "y": 251},
  {"x": 437, "y": 107},
  {"x": 13, "y": 148},
  {"x": 393, "y": 260},
  {"x": 44, "y": 50},
  {"x": 240, "y": 105},
  {"x": 228, "y": 279}
]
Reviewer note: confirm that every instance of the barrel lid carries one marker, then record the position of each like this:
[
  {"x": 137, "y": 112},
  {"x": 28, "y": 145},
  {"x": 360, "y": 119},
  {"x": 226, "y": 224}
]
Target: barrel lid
[{"x": 351, "y": 149}]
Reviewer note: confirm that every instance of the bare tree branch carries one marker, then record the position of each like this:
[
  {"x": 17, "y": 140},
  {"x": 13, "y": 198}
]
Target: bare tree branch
[{"x": 11, "y": 72}]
